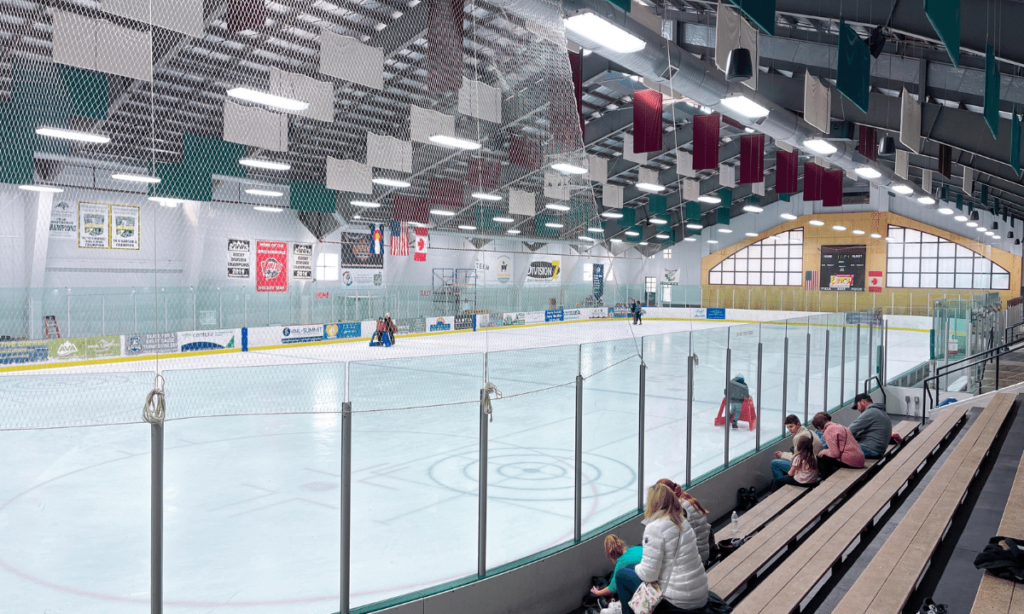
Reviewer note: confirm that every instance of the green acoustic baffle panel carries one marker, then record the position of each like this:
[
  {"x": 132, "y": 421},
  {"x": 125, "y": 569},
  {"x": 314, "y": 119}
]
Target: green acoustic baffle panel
[
  {"x": 201, "y": 157},
  {"x": 671, "y": 240},
  {"x": 984, "y": 195},
  {"x": 853, "y": 70},
  {"x": 541, "y": 227},
  {"x": 309, "y": 196},
  {"x": 485, "y": 218},
  {"x": 722, "y": 215},
  {"x": 960, "y": 201},
  {"x": 623, "y": 5},
  {"x": 726, "y": 195},
  {"x": 628, "y": 216},
  {"x": 1015, "y": 143},
  {"x": 785, "y": 197},
  {"x": 761, "y": 12},
  {"x": 692, "y": 211},
  {"x": 638, "y": 238},
  {"x": 657, "y": 204},
  {"x": 991, "y": 111},
  {"x": 944, "y": 16}
]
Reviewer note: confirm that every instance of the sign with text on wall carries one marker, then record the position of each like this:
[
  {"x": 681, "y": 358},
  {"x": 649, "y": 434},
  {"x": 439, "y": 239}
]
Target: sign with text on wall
[
  {"x": 124, "y": 227},
  {"x": 271, "y": 266},
  {"x": 843, "y": 267},
  {"x": 63, "y": 221},
  {"x": 238, "y": 258},
  {"x": 302, "y": 261},
  {"x": 93, "y": 226}
]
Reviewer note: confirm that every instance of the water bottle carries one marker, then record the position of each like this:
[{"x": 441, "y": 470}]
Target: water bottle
[{"x": 735, "y": 524}]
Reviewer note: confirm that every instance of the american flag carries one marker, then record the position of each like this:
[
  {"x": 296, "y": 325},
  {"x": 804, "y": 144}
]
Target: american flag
[
  {"x": 811, "y": 280},
  {"x": 399, "y": 238}
]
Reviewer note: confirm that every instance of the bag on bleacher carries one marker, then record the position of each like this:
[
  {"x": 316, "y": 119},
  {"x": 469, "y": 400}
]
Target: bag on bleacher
[
  {"x": 1002, "y": 557},
  {"x": 646, "y": 598}
]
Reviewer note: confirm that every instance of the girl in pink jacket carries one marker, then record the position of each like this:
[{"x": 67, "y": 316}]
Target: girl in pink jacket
[{"x": 843, "y": 449}]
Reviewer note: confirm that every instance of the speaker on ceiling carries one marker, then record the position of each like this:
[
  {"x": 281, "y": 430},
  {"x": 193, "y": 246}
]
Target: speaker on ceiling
[{"x": 739, "y": 67}]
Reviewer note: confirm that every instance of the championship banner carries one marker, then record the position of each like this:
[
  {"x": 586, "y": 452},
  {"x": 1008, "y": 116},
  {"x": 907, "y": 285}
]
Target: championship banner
[
  {"x": 302, "y": 261},
  {"x": 63, "y": 222},
  {"x": 598, "y": 280},
  {"x": 124, "y": 224},
  {"x": 670, "y": 277},
  {"x": 238, "y": 258},
  {"x": 271, "y": 266},
  {"x": 93, "y": 226},
  {"x": 543, "y": 272}
]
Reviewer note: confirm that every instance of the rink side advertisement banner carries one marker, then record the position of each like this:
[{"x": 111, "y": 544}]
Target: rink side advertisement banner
[
  {"x": 441, "y": 324},
  {"x": 150, "y": 343},
  {"x": 16, "y": 352},
  {"x": 543, "y": 272},
  {"x": 302, "y": 261},
  {"x": 63, "y": 221},
  {"x": 197, "y": 340},
  {"x": 271, "y": 266},
  {"x": 238, "y": 258},
  {"x": 303, "y": 333},
  {"x": 93, "y": 226},
  {"x": 124, "y": 227},
  {"x": 350, "y": 330},
  {"x": 843, "y": 267}
]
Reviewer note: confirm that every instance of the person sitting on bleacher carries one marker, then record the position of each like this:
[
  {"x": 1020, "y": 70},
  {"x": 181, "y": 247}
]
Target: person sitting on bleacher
[
  {"x": 670, "y": 558},
  {"x": 872, "y": 428},
  {"x": 696, "y": 515},
  {"x": 804, "y": 469},
  {"x": 843, "y": 449},
  {"x": 783, "y": 460}
]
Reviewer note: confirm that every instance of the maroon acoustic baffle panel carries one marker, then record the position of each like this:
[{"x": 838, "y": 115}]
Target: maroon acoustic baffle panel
[
  {"x": 523, "y": 151},
  {"x": 946, "y": 161},
  {"x": 576, "y": 65},
  {"x": 409, "y": 209},
  {"x": 647, "y": 121},
  {"x": 752, "y": 158},
  {"x": 245, "y": 15},
  {"x": 786, "y": 171},
  {"x": 484, "y": 174},
  {"x": 832, "y": 189},
  {"x": 814, "y": 176},
  {"x": 868, "y": 142},
  {"x": 446, "y": 193},
  {"x": 444, "y": 45},
  {"x": 706, "y": 129}
]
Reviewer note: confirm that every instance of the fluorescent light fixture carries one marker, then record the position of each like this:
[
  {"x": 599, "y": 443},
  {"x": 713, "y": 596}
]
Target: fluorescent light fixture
[
  {"x": 616, "y": 240},
  {"x": 690, "y": 239},
  {"x": 694, "y": 225},
  {"x": 632, "y": 233},
  {"x": 135, "y": 178},
  {"x": 996, "y": 237},
  {"x": 972, "y": 224},
  {"x": 981, "y": 229},
  {"x": 605, "y": 33},
  {"x": 164, "y": 202},
  {"x": 453, "y": 141},
  {"x": 513, "y": 231},
  {"x": 926, "y": 200},
  {"x": 267, "y": 164},
  {"x": 257, "y": 192},
  {"x": 712, "y": 241},
  {"x": 391, "y": 183},
  {"x": 820, "y": 146},
  {"x": 753, "y": 209},
  {"x": 41, "y": 188},
  {"x": 270, "y": 100},
  {"x": 858, "y": 232},
  {"x": 817, "y": 223},
  {"x": 595, "y": 229},
  {"x": 945, "y": 211},
  {"x": 72, "y": 135},
  {"x": 961, "y": 218},
  {"x": 714, "y": 200},
  {"x": 890, "y": 239},
  {"x": 443, "y": 212},
  {"x": 612, "y": 215},
  {"x": 902, "y": 189},
  {"x": 554, "y": 225},
  {"x": 839, "y": 228},
  {"x": 357, "y": 217},
  {"x": 657, "y": 221},
  {"x": 486, "y": 196},
  {"x": 504, "y": 220},
  {"x": 875, "y": 235},
  {"x": 744, "y": 106},
  {"x": 725, "y": 230},
  {"x": 365, "y": 203},
  {"x": 751, "y": 234},
  {"x": 583, "y": 238},
  {"x": 466, "y": 227},
  {"x": 650, "y": 187},
  {"x": 419, "y": 225},
  {"x": 788, "y": 216},
  {"x": 644, "y": 243},
  {"x": 557, "y": 207},
  {"x": 867, "y": 172},
  {"x": 990, "y": 233},
  {"x": 269, "y": 209},
  {"x": 569, "y": 169},
  {"x": 661, "y": 235}
]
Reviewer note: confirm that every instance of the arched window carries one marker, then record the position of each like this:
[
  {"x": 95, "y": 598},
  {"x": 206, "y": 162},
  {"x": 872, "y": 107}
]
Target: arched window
[
  {"x": 916, "y": 259},
  {"x": 775, "y": 261}
]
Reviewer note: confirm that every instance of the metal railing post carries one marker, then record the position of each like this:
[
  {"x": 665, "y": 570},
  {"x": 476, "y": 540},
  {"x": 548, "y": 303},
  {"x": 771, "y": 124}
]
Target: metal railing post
[
  {"x": 156, "y": 519},
  {"x": 578, "y": 498},
  {"x": 997, "y": 371},
  {"x": 807, "y": 379},
  {"x": 785, "y": 380},
  {"x": 757, "y": 431},
  {"x": 346, "y": 503},
  {"x": 640, "y": 431},
  {"x": 689, "y": 415},
  {"x": 728, "y": 402},
  {"x": 824, "y": 397},
  {"x": 842, "y": 366},
  {"x": 871, "y": 349},
  {"x": 856, "y": 370},
  {"x": 481, "y": 535}
]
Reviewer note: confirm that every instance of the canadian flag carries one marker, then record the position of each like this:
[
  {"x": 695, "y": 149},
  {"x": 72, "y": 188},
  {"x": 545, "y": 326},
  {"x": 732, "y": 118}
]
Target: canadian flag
[
  {"x": 874, "y": 281},
  {"x": 422, "y": 243}
]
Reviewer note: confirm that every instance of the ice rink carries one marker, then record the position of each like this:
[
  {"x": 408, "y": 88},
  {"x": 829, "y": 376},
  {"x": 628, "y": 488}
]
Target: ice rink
[{"x": 252, "y": 486}]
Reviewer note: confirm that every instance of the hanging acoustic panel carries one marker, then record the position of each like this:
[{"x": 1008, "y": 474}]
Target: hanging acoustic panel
[
  {"x": 733, "y": 32},
  {"x": 814, "y": 177},
  {"x": 910, "y": 122},
  {"x": 944, "y": 16},
  {"x": 832, "y": 188},
  {"x": 752, "y": 158},
  {"x": 646, "y": 121},
  {"x": 946, "y": 161},
  {"x": 1015, "y": 144},
  {"x": 787, "y": 172},
  {"x": 853, "y": 70},
  {"x": 991, "y": 112},
  {"x": 761, "y": 12},
  {"x": 706, "y": 130},
  {"x": 817, "y": 103},
  {"x": 868, "y": 142}
]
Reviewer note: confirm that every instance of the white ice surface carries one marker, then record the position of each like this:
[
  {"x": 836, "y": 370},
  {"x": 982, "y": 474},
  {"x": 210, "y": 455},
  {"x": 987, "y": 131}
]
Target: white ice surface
[{"x": 251, "y": 508}]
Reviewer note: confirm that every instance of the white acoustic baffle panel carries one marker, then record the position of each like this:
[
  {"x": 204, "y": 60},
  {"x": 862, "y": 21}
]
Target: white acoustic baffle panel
[
  {"x": 346, "y": 58},
  {"x": 255, "y": 127}
]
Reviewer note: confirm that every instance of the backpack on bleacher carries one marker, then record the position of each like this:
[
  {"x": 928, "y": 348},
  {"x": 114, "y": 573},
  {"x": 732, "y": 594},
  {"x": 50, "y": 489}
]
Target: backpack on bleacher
[{"x": 1002, "y": 557}]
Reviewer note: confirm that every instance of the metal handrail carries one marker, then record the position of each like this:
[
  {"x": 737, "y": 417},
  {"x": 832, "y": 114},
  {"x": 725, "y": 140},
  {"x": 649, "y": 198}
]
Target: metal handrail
[
  {"x": 867, "y": 386},
  {"x": 978, "y": 359},
  {"x": 988, "y": 354},
  {"x": 1010, "y": 328}
]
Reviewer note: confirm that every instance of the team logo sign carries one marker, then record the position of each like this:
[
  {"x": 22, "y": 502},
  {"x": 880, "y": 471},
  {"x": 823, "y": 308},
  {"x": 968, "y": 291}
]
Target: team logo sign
[{"x": 271, "y": 268}]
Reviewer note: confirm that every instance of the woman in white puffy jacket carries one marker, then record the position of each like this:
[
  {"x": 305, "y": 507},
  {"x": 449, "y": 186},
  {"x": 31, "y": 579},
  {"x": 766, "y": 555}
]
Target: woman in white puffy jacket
[
  {"x": 670, "y": 555},
  {"x": 696, "y": 515}
]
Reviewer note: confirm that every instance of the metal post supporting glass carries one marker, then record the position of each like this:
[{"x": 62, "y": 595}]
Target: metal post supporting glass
[
  {"x": 757, "y": 430},
  {"x": 346, "y": 502},
  {"x": 807, "y": 379},
  {"x": 824, "y": 396},
  {"x": 785, "y": 380},
  {"x": 481, "y": 536},
  {"x": 578, "y": 510},
  {"x": 871, "y": 350},
  {"x": 689, "y": 414},
  {"x": 728, "y": 404},
  {"x": 156, "y": 515},
  {"x": 640, "y": 431},
  {"x": 842, "y": 366},
  {"x": 856, "y": 368}
]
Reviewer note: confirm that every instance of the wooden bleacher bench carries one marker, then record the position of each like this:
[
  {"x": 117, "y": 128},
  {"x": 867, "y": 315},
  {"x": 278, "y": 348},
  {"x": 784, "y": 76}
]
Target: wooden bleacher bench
[
  {"x": 996, "y": 595},
  {"x": 790, "y": 515},
  {"x": 790, "y": 585}
]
